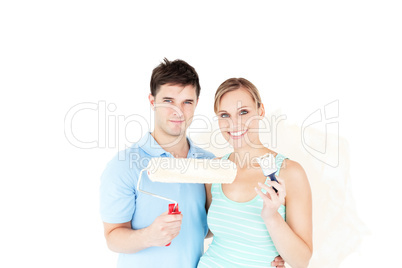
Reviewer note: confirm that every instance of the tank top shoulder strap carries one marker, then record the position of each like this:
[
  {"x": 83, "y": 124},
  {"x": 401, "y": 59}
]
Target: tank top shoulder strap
[
  {"x": 226, "y": 156},
  {"x": 278, "y": 161},
  {"x": 215, "y": 186}
]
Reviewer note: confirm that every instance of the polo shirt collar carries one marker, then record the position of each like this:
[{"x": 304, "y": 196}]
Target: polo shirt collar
[{"x": 151, "y": 147}]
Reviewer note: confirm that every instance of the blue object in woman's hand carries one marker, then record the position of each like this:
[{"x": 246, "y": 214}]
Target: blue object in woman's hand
[{"x": 273, "y": 178}]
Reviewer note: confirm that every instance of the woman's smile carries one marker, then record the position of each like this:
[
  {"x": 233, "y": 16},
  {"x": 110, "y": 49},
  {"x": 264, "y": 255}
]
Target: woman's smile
[{"x": 237, "y": 134}]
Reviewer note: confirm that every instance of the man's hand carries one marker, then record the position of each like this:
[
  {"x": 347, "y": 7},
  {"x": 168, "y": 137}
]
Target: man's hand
[
  {"x": 164, "y": 229},
  {"x": 278, "y": 262}
]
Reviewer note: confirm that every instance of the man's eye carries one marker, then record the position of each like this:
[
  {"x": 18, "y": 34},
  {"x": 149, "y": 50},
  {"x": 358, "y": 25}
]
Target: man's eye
[
  {"x": 169, "y": 101},
  {"x": 188, "y": 102}
]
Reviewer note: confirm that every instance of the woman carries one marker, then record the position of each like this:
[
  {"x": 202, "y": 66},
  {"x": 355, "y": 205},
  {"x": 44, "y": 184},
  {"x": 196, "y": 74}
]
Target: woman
[{"x": 251, "y": 223}]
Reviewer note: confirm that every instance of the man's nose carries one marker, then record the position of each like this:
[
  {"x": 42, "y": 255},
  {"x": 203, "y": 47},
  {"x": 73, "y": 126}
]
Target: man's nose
[{"x": 177, "y": 111}]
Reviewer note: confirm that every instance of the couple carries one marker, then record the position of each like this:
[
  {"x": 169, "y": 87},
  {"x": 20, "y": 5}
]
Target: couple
[{"x": 251, "y": 223}]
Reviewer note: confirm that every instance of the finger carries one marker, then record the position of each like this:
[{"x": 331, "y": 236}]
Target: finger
[
  {"x": 281, "y": 182},
  {"x": 279, "y": 258},
  {"x": 276, "y": 185},
  {"x": 268, "y": 197},
  {"x": 173, "y": 225},
  {"x": 277, "y": 265},
  {"x": 281, "y": 190},
  {"x": 270, "y": 190},
  {"x": 264, "y": 197},
  {"x": 170, "y": 237},
  {"x": 279, "y": 262},
  {"x": 173, "y": 233},
  {"x": 176, "y": 234},
  {"x": 173, "y": 217},
  {"x": 266, "y": 187}
]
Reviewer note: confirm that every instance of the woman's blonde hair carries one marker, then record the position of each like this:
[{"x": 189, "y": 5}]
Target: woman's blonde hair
[{"x": 233, "y": 84}]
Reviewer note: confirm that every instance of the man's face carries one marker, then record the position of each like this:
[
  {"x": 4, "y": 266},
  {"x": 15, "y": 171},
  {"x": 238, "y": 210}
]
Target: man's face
[{"x": 174, "y": 107}]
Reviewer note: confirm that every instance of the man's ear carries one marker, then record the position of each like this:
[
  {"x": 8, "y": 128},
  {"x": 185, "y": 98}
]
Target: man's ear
[
  {"x": 151, "y": 99},
  {"x": 261, "y": 111}
]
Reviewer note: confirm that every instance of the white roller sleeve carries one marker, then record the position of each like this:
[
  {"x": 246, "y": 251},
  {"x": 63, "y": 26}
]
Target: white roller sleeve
[
  {"x": 189, "y": 170},
  {"x": 267, "y": 163}
]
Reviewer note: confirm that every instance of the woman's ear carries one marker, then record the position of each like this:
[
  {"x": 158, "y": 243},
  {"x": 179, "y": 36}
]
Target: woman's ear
[
  {"x": 261, "y": 110},
  {"x": 151, "y": 99}
]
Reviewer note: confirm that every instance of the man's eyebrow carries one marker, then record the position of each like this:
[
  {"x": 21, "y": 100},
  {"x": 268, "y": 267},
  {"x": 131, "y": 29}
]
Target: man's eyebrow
[{"x": 170, "y": 98}]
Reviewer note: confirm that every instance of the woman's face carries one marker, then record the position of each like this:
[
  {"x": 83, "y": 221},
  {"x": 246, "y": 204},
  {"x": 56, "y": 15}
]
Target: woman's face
[{"x": 239, "y": 117}]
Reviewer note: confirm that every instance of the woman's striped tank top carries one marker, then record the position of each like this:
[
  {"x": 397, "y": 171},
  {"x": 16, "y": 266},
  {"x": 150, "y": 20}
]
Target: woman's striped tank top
[{"x": 241, "y": 238}]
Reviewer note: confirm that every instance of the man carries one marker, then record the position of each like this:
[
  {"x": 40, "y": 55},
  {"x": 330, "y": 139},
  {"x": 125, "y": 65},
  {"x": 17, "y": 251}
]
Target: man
[{"x": 138, "y": 225}]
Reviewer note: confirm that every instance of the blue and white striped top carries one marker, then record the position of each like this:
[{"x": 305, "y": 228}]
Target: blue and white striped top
[{"x": 241, "y": 238}]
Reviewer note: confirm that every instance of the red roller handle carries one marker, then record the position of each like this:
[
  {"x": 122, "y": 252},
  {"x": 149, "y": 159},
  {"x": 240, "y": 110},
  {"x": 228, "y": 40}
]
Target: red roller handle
[{"x": 173, "y": 210}]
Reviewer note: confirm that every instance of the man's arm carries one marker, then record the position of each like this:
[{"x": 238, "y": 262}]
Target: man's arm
[
  {"x": 122, "y": 239},
  {"x": 117, "y": 207}
]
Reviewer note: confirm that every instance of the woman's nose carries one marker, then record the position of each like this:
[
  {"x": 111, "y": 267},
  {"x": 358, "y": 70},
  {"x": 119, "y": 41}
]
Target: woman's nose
[{"x": 236, "y": 122}]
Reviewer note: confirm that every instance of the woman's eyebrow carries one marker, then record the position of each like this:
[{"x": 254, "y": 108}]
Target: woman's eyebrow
[
  {"x": 242, "y": 107},
  {"x": 221, "y": 111}
]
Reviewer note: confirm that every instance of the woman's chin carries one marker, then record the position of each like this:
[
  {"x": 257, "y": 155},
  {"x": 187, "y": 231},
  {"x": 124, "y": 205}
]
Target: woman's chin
[
  {"x": 238, "y": 143},
  {"x": 242, "y": 143}
]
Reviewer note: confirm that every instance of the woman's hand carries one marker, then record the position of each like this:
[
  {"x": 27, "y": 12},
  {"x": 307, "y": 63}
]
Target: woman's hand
[{"x": 272, "y": 200}]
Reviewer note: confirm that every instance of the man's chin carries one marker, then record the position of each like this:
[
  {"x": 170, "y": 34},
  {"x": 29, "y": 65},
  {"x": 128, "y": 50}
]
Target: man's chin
[{"x": 177, "y": 133}]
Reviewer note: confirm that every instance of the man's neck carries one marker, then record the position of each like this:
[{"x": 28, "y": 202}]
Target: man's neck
[{"x": 178, "y": 146}]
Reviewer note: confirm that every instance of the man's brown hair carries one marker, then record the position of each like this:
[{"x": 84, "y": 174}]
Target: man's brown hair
[{"x": 177, "y": 72}]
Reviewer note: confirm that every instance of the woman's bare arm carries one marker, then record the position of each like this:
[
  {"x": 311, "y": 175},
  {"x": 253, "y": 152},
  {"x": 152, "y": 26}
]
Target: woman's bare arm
[{"x": 293, "y": 237}]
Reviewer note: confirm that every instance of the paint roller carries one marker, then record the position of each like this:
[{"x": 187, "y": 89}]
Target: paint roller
[
  {"x": 268, "y": 166},
  {"x": 187, "y": 170}
]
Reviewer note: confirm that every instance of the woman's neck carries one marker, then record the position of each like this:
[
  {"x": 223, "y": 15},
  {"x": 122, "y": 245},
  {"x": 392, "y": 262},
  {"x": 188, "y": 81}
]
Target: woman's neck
[{"x": 246, "y": 156}]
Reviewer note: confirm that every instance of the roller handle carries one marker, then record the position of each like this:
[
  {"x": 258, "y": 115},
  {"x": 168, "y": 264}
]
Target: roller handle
[
  {"x": 272, "y": 177},
  {"x": 173, "y": 209}
]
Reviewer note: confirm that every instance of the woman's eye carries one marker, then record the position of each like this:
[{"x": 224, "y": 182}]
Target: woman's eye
[
  {"x": 243, "y": 112},
  {"x": 224, "y": 115}
]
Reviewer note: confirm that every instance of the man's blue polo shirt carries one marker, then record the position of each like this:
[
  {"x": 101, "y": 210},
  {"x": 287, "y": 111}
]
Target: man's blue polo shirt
[{"x": 121, "y": 202}]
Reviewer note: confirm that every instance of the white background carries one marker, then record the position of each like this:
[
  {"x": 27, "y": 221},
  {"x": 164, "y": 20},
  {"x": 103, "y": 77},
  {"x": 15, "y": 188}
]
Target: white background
[{"x": 301, "y": 55}]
